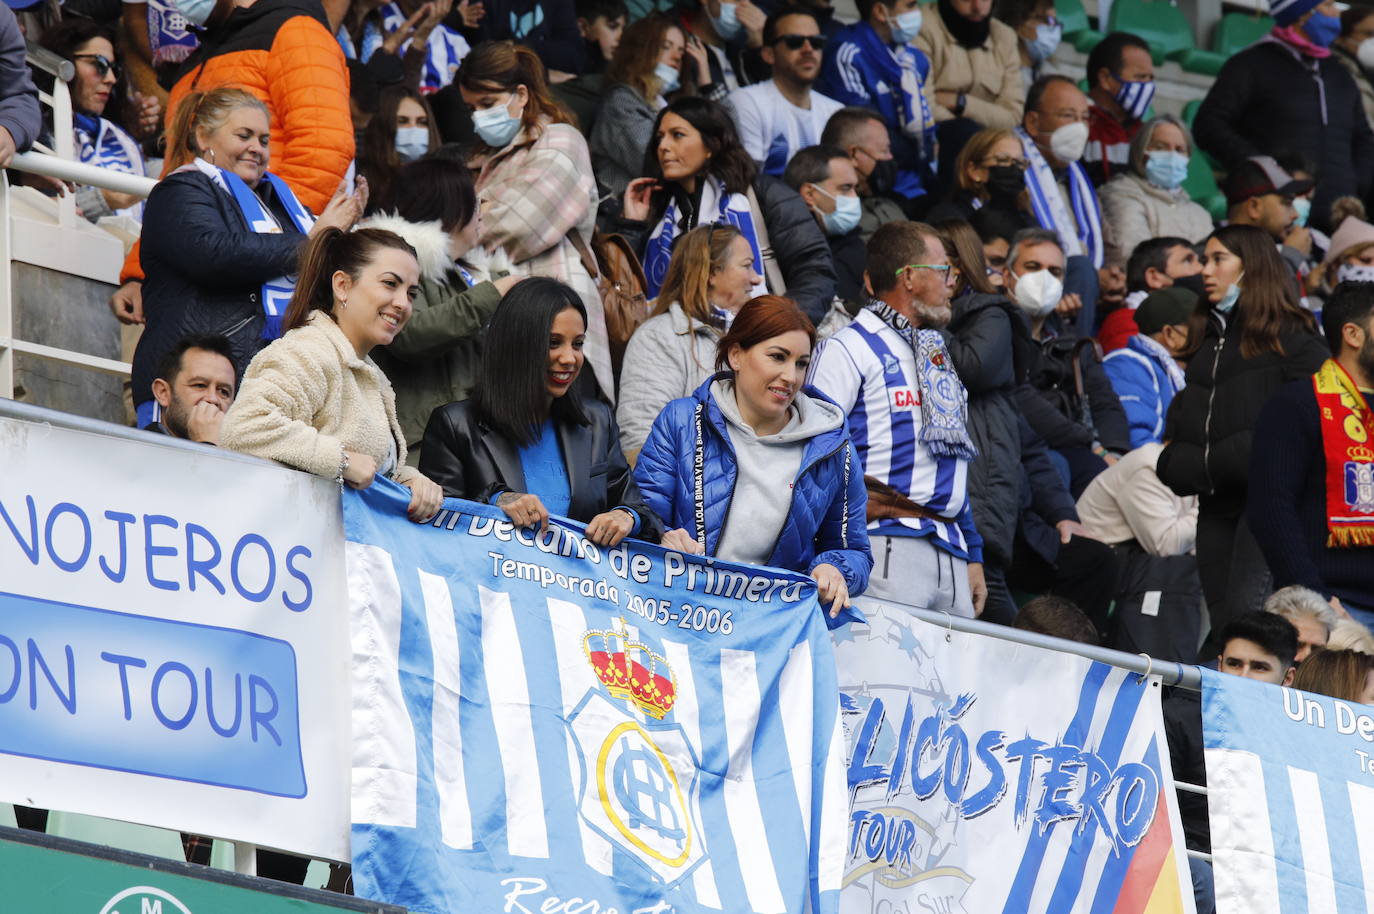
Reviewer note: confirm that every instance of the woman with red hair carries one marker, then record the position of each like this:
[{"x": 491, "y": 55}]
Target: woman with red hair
[{"x": 756, "y": 467}]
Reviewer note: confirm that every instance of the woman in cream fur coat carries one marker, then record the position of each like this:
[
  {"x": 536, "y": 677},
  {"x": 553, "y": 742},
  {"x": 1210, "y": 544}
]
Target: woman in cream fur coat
[{"x": 313, "y": 399}]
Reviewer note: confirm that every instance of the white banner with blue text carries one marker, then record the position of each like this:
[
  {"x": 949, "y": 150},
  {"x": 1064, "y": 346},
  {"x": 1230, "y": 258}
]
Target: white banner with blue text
[
  {"x": 1290, "y": 779},
  {"x": 991, "y": 777},
  {"x": 172, "y": 646},
  {"x": 544, "y": 725}
]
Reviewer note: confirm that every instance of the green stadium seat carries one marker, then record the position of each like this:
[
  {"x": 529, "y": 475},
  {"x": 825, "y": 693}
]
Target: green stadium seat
[
  {"x": 1078, "y": 30},
  {"x": 1168, "y": 33},
  {"x": 1237, "y": 31},
  {"x": 1201, "y": 185},
  {"x": 141, "y": 839},
  {"x": 1190, "y": 111}
]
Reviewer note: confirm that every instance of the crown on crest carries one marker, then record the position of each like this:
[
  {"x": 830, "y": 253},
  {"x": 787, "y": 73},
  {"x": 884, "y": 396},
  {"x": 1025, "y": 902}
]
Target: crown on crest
[
  {"x": 631, "y": 669},
  {"x": 1360, "y": 453}
]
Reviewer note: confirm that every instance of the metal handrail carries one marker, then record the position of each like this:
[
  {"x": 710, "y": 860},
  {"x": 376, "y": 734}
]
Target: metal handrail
[
  {"x": 54, "y": 166},
  {"x": 50, "y": 63}
]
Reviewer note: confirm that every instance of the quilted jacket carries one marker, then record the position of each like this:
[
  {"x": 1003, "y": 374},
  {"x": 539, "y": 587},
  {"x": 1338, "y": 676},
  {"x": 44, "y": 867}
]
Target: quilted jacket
[{"x": 689, "y": 446}]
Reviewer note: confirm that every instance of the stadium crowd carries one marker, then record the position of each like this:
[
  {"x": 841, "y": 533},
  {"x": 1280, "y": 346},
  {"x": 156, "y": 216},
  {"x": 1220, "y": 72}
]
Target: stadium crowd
[{"x": 893, "y": 303}]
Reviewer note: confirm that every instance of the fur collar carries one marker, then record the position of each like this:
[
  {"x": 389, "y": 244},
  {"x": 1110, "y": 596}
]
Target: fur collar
[{"x": 429, "y": 240}]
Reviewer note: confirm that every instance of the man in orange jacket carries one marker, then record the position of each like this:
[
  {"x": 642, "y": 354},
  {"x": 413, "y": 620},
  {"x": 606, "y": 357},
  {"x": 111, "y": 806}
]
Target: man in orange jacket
[{"x": 285, "y": 53}]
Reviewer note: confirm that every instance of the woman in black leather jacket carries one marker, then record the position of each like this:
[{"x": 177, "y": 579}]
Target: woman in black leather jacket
[{"x": 527, "y": 442}]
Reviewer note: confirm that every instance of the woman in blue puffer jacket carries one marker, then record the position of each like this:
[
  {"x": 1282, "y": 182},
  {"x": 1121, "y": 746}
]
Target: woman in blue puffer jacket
[{"x": 757, "y": 469}]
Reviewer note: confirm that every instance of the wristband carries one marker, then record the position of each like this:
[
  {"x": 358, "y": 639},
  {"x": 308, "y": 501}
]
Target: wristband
[{"x": 343, "y": 468}]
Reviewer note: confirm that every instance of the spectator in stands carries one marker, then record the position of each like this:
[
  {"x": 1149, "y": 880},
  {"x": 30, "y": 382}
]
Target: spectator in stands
[
  {"x": 1121, "y": 86},
  {"x": 783, "y": 115},
  {"x": 100, "y": 140},
  {"x": 434, "y": 360},
  {"x": 861, "y": 133},
  {"x": 646, "y": 67},
  {"x": 526, "y": 441},
  {"x": 535, "y": 180},
  {"x": 1357, "y": 28},
  {"x": 757, "y": 468},
  {"x": 194, "y": 388},
  {"x": 989, "y": 174},
  {"x": 826, "y": 180},
  {"x": 1146, "y": 199},
  {"x": 732, "y": 35},
  {"x": 1347, "y": 634},
  {"x": 1285, "y": 93},
  {"x": 402, "y": 131},
  {"x": 995, "y": 229},
  {"x": 699, "y": 173},
  {"x": 602, "y": 23},
  {"x": 1054, "y": 133},
  {"x": 1347, "y": 675},
  {"x": 20, "y": 118},
  {"x": 546, "y": 27},
  {"x": 710, "y": 277},
  {"x": 430, "y": 49},
  {"x": 1349, "y": 256},
  {"x": 1127, "y": 502},
  {"x": 1311, "y": 494},
  {"x": 1260, "y": 193},
  {"x": 977, "y": 73},
  {"x": 889, "y": 371},
  {"x": 1147, "y": 372},
  {"x": 1311, "y": 615},
  {"x": 221, "y": 235},
  {"x": 1058, "y": 618},
  {"x": 872, "y": 64},
  {"x": 1256, "y": 339},
  {"x": 1070, "y": 403},
  {"x": 1156, "y": 263},
  {"x": 313, "y": 399},
  {"x": 160, "y": 38},
  {"x": 1038, "y": 32}
]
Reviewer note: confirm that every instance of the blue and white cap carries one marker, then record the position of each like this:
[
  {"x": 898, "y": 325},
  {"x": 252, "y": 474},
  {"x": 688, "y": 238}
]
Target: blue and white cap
[{"x": 1287, "y": 12}]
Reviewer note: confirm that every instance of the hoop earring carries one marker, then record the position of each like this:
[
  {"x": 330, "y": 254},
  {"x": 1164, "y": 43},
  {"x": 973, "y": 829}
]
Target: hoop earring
[
  {"x": 343, "y": 303},
  {"x": 211, "y": 154}
]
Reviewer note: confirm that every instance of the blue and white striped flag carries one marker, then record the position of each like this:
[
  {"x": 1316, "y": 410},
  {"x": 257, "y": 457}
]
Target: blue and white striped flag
[
  {"x": 1290, "y": 779},
  {"x": 542, "y": 725}
]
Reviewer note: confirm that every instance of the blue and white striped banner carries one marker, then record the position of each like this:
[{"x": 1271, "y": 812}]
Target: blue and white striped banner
[
  {"x": 542, "y": 725},
  {"x": 1290, "y": 777}
]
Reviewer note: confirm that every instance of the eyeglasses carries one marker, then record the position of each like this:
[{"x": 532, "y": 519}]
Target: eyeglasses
[
  {"x": 102, "y": 64},
  {"x": 1004, "y": 161},
  {"x": 951, "y": 273},
  {"x": 795, "y": 42}
]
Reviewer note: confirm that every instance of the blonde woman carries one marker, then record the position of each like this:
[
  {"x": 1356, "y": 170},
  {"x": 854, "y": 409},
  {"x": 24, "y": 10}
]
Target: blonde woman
[{"x": 710, "y": 277}]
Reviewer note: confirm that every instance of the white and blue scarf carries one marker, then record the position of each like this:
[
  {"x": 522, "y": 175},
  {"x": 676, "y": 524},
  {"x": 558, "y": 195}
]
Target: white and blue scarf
[
  {"x": 944, "y": 401},
  {"x": 169, "y": 33},
  {"x": 276, "y": 293},
  {"x": 443, "y": 53},
  {"x": 1048, "y": 204},
  {"x": 104, "y": 145},
  {"x": 731, "y": 209}
]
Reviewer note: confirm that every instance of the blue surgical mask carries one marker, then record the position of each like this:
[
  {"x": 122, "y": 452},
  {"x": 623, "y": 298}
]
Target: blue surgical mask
[
  {"x": 906, "y": 26},
  {"x": 1165, "y": 168},
  {"x": 1046, "y": 41},
  {"x": 196, "y": 11},
  {"x": 1135, "y": 97},
  {"x": 1303, "y": 207},
  {"x": 412, "y": 142},
  {"x": 1228, "y": 300},
  {"x": 726, "y": 24},
  {"x": 1322, "y": 29},
  {"x": 667, "y": 77},
  {"x": 845, "y": 218},
  {"x": 495, "y": 125}
]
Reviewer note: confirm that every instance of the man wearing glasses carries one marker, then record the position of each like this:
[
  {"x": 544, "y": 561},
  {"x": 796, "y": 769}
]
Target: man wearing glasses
[
  {"x": 908, "y": 416},
  {"x": 783, "y": 115}
]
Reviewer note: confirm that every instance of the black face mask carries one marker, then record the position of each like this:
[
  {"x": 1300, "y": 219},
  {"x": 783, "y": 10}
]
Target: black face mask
[
  {"x": 883, "y": 179},
  {"x": 968, "y": 33},
  {"x": 1192, "y": 284},
  {"x": 1005, "y": 181}
]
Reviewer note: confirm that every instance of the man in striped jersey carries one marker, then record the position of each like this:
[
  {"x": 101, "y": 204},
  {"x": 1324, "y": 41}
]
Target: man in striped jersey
[{"x": 890, "y": 372}]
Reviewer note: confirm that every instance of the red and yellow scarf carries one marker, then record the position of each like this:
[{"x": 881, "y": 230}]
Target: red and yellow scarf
[{"x": 1347, "y": 425}]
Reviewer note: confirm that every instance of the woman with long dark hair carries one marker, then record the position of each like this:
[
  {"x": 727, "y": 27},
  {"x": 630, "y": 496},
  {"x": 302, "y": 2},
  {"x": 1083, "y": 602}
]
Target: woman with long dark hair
[
  {"x": 1258, "y": 337},
  {"x": 313, "y": 399},
  {"x": 756, "y": 467},
  {"x": 698, "y": 174},
  {"x": 527, "y": 441},
  {"x": 402, "y": 130}
]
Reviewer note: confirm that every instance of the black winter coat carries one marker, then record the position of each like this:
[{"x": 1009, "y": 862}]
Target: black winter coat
[
  {"x": 1053, "y": 408},
  {"x": 471, "y": 460},
  {"x": 1045, "y": 499},
  {"x": 800, "y": 245},
  {"x": 1212, "y": 420},
  {"x": 205, "y": 270},
  {"x": 1270, "y": 100}
]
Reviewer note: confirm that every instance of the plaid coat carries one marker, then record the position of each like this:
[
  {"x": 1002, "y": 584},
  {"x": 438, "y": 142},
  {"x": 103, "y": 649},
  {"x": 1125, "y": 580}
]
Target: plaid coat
[{"x": 533, "y": 193}]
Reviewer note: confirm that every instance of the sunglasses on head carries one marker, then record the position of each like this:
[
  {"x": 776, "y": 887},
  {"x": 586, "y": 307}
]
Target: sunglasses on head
[
  {"x": 795, "y": 42},
  {"x": 101, "y": 63}
]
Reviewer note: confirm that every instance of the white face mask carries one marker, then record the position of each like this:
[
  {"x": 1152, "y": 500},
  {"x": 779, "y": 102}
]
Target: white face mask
[
  {"x": 1365, "y": 54},
  {"x": 1069, "y": 141},
  {"x": 1037, "y": 293}
]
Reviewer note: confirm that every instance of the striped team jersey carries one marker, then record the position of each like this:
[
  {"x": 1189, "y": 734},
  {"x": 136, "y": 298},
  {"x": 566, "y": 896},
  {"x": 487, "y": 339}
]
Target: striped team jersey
[{"x": 870, "y": 371}]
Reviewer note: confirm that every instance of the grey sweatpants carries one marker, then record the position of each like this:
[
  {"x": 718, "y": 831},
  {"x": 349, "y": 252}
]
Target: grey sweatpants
[{"x": 914, "y": 572}]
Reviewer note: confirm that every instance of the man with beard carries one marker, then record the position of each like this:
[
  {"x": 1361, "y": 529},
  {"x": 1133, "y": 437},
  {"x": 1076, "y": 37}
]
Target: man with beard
[
  {"x": 194, "y": 388},
  {"x": 1311, "y": 503},
  {"x": 890, "y": 372}
]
